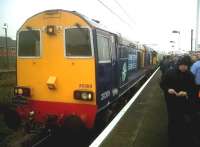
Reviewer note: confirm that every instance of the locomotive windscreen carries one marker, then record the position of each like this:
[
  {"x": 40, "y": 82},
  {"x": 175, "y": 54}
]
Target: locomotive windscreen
[
  {"x": 77, "y": 42},
  {"x": 29, "y": 43}
]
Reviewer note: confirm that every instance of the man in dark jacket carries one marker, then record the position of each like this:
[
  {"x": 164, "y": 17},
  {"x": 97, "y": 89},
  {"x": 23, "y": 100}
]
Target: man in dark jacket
[{"x": 179, "y": 88}]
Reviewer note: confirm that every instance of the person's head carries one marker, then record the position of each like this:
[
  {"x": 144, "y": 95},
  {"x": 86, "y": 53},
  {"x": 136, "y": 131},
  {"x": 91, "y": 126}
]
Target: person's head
[
  {"x": 198, "y": 56},
  {"x": 194, "y": 58},
  {"x": 183, "y": 67},
  {"x": 184, "y": 63}
]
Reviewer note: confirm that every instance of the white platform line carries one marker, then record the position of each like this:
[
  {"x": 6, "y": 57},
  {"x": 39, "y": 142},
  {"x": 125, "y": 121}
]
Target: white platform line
[{"x": 98, "y": 141}]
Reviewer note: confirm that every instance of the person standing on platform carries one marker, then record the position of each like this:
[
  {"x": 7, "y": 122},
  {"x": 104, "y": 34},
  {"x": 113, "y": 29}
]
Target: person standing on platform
[
  {"x": 195, "y": 69},
  {"x": 166, "y": 64},
  {"x": 169, "y": 63},
  {"x": 179, "y": 87}
]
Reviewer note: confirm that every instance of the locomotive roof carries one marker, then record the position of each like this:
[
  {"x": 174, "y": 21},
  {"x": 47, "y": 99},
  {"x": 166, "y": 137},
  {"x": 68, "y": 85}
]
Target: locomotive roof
[
  {"x": 90, "y": 22},
  {"x": 93, "y": 22}
]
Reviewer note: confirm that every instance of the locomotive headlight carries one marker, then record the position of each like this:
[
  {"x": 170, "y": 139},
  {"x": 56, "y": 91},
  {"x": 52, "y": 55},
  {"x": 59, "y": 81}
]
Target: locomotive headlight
[
  {"x": 89, "y": 96},
  {"x": 83, "y": 95},
  {"x": 16, "y": 92},
  {"x": 22, "y": 91}
]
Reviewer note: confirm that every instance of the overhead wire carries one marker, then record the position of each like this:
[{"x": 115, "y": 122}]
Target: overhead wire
[
  {"x": 114, "y": 13},
  {"x": 125, "y": 12}
]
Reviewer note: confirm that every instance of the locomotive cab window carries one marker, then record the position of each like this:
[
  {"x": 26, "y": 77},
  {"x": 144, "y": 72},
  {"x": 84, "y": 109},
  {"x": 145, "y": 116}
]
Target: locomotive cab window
[
  {"x": 77, "y": 42},
  {"x": 29, "y": 43}
]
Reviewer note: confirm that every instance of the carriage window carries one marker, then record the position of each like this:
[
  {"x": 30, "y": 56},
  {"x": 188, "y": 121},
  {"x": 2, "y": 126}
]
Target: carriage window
[
  {"x": 103, "y": 48},
  {"x": 124, "y": 52},
  {"x": 77, "y": 42},
  {"x": 29, "y": 43}
]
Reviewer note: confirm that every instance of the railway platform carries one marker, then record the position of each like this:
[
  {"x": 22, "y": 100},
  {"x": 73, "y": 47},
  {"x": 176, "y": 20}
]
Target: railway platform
[{"x": 144, "y": 124}]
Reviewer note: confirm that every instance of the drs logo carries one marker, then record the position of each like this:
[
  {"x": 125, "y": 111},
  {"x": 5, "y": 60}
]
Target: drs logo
[{"x": 124, "y": 72}]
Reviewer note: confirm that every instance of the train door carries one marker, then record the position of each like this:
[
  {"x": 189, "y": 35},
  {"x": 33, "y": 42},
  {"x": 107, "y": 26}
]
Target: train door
[{"x": 105, "y": 69}]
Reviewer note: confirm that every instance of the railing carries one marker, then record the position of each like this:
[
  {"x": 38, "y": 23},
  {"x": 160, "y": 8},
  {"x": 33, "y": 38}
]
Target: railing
[{"x": 7, "y": 82}]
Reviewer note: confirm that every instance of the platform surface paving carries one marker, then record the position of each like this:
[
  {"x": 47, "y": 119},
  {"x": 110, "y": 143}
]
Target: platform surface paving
[{"x": 145, "y": 123}]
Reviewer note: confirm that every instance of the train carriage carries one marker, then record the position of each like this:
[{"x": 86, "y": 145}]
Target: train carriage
[{"x": 68, "y": 66}]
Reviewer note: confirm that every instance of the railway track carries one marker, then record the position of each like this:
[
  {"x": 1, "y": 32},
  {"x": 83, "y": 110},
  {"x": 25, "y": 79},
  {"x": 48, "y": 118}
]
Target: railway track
[{"x": 42, "y": 140}]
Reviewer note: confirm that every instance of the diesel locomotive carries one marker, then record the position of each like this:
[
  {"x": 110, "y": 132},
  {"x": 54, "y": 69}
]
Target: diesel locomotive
[{"x": 70, "y": 68}]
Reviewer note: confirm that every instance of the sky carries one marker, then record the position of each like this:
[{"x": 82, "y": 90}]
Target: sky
[{"x": 150, "y": 22}]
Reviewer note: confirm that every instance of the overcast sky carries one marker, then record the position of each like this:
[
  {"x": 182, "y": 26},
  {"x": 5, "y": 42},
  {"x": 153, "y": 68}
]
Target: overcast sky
[{"x": 148, "y": 21}]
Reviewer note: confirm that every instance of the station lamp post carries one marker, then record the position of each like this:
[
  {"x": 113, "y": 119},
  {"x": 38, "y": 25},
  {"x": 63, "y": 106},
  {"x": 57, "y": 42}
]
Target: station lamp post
[
  {"x": 191, "y": 39},
  {"x": 175, "y": 31},
  {"x": 179, "y": 33},
  {"x": 172, "y": 42},
  {"x": 197, "y": 26},
  {"x": 5, "y": 27}
]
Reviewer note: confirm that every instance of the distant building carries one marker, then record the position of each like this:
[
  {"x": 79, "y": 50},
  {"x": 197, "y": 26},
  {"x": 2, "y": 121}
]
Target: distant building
[{"x": 11, "y": 45}]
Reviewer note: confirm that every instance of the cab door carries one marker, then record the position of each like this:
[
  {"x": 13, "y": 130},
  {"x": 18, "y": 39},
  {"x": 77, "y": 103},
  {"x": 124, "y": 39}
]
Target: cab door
[{"x": 106, "y": 71}]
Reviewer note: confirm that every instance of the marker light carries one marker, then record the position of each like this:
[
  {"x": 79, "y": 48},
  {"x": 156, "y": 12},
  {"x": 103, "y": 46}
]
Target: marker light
[{"x": 51, "y": 30}]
